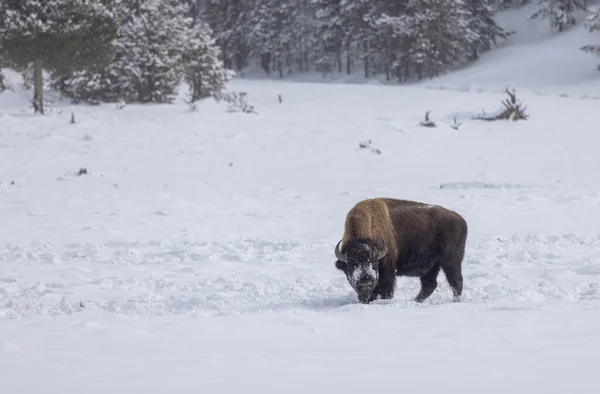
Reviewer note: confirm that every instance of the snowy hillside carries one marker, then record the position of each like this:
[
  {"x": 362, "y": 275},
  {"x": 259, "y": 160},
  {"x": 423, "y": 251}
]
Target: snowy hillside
[
  {"x": 534, "y": 58},
  {"x": 152, "y": 248}
]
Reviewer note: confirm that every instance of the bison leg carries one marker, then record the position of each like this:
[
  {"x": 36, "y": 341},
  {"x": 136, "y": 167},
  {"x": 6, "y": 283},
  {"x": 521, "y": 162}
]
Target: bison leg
[
  {"x": 453, "y": 273},
  {"x": 386, "y": 284},
  {"x": 428, "y": 283}
]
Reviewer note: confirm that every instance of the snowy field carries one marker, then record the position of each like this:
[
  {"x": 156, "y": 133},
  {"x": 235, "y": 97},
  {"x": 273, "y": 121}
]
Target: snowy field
[{"x": 196, "y": 254}]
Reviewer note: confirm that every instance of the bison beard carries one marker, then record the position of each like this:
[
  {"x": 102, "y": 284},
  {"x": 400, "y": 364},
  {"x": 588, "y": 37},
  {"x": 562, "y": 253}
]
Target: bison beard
[{"x": 385, "y": 238}]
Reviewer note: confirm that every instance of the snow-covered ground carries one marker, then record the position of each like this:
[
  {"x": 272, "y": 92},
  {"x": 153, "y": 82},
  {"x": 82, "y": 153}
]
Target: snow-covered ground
[
  {"x": 196, "y": 254},
  {"x": 200, "y": 245}
]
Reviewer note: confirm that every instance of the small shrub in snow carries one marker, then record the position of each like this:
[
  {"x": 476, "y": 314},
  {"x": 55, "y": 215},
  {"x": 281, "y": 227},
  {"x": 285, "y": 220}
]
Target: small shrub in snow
[
  {"x": 236, "y": 100},
  {"x": 368, "y": 145},
  {"x": 82, "y": 171}
]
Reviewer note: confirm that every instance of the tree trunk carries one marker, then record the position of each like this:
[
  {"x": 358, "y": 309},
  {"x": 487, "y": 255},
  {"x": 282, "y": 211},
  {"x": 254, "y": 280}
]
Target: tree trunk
[
  {"x": 348, "y": 59},
  {"x": 474, "y": 54},
  {"x": 266, "y": 62},
  {"x": 306, "y": 60},
  {"x": 280, "y": 66},
  {"x": 38, "y": 86},
  {"x": 366, "y": 52}
]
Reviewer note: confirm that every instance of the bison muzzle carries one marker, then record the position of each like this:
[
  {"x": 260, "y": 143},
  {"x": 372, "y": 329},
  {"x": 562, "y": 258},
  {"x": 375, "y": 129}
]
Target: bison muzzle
[{"x": 384, "y": 238}]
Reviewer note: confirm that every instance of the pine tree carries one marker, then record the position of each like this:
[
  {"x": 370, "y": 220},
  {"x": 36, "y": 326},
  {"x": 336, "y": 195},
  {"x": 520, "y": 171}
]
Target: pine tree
[
  {"x": 395, "y": 38},
  {"x": 204, "y": 70},
  {"x": 406, "y": 38},
  {"x": 559, "y": 12},
  {"x": 329, "y": 25},
  {"x": 592, "y": 24},
  {"x": 231, "y": 23},
  {"x": 277, "y": 33},
  {"x": 55, "y": 35},
  {"x": 438, "y": 36},
  {"x": 360, "y": 17},
  {"x": 2, "y": 85},
  {"x": 481, "y": 22},
  {"x": 149, "y": 51},
  {"x": 151, "y": 57},
  {"x": 147, "y": 57}
]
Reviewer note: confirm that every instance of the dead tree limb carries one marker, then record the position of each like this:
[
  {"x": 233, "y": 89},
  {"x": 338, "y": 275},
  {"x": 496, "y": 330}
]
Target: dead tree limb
[
  {"x": 427, "y": 122},
  {"x": 456, "y": 124},
  {"x": 513, "y": 109}
]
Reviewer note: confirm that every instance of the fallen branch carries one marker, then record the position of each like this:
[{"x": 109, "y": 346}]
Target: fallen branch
[
  {"x": 456, "y": 125},
  {"x": 513, "y": 109},
  {"x": 428, "y": 122}
]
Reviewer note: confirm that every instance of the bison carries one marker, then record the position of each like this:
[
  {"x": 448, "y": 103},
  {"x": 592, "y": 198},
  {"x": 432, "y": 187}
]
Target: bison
[{"x": 385, "y": 237}]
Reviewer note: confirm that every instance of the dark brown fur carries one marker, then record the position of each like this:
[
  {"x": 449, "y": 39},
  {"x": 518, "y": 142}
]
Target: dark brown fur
[{"x": 421, "y": 240}]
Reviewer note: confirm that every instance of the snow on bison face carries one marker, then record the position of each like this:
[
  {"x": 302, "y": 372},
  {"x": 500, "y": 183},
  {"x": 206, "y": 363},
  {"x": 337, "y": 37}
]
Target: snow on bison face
[{"x": 360, "y": 263}]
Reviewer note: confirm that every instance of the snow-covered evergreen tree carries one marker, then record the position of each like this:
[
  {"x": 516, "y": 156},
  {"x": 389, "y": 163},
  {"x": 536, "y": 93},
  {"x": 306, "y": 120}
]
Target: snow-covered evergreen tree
[
  {"x": 558, "y": 12},
  {"x": 149, "y": 50},
  {"x": 481, "y": 22},
  {"x": 157, "y": 47},
  {"x": 2, "y": 84},
  {"x": 146, "y": 65},
  {"x": 360, "y": 28},
  {"x": 204, "y": 70},
  {"x": 395, "y": 38},
  {"x": 279, "y": 27},
  {"x": 330, "y": 35},
  {"x": 592, "y": 24},
  {"x": 438, "y": 36},
  {"x": 231, "y": 23},
  {"x": 508, "y": 4},
  {"x": 405, "y": 39},
  {"x": 55, "y": 35}
]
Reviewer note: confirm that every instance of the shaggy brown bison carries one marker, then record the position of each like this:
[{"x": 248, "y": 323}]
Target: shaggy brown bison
[{"x": 385, "y": 238}]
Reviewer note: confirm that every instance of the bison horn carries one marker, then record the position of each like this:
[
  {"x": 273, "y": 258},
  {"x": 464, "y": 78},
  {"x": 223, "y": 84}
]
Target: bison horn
[
  {"x": 338, "y": 253},
  {"x": 383, "y": 251}
]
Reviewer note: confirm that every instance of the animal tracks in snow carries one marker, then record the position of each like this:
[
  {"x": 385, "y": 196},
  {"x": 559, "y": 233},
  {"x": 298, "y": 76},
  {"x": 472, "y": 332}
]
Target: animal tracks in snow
[{"x": 254, "y": 276}]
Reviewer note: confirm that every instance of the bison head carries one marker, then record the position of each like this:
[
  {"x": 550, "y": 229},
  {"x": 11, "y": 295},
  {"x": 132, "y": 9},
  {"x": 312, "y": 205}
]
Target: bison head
[{"x": 360, "y": 263}]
